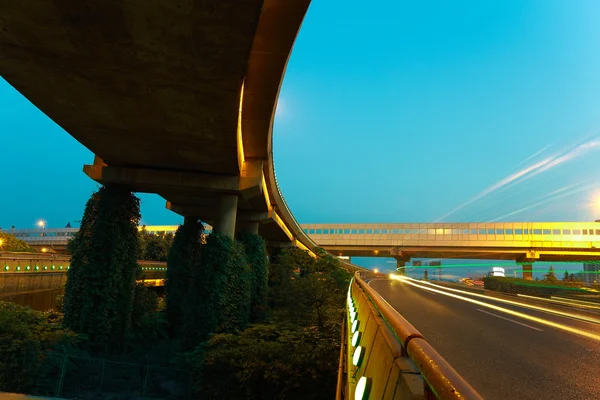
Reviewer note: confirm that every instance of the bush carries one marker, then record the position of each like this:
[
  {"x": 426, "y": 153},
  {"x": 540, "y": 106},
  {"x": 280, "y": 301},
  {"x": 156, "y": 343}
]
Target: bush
[
  {"x": 266, "y": 362},
  {"x": 25, "y": 335},
  {"x": 295, "y": 354},
  {"x": 533, "y": 288},
  {"x": 148, "y": 322}
]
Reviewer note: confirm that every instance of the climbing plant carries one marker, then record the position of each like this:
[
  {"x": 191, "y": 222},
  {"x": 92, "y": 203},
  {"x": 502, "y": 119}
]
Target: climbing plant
[
  {"x": 101, "y": 281},
  {"x": 220, "y": 292},
  {"x": 183, "y": 254},
  {"x": 258, "y": 261}
]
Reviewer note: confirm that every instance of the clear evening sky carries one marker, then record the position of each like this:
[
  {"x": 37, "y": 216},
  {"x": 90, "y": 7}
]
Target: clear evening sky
[{"x": 391, "y": 111}]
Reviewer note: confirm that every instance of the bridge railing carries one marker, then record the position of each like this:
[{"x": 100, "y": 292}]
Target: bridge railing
[{"x": 384, "y": 356}]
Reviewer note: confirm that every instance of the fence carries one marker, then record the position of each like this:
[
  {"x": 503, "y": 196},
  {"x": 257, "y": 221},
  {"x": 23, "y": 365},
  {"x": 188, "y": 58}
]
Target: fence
[{"x": 73, "y": 376}]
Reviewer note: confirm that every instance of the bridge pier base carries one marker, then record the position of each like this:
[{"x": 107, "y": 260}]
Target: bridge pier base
[
  {"x": 400, "y": 266},
  {"x": 527, "y": 271},
  {"x": 250, "y": 227},
  {"x": 226, "y": 215}
]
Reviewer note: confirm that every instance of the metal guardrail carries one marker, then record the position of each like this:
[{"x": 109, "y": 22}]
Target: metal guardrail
[{"x": 439, "y": 379}]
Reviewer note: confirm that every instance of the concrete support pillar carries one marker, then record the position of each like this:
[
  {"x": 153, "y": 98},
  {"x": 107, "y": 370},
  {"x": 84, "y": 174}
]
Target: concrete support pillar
[
  {"x": 527, "y": 271},
  {"x": 226, "y": 215},
  {"x": 400, "y": 264},
  {"x": 251, "y": 227},
  {"x": 190, "y": 220}
]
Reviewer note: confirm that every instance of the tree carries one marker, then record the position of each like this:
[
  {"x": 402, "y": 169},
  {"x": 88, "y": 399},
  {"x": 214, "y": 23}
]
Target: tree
[
  {"x": 9, "y": 242},
  {"x": 101, "y": 281},
  {"x": 285, "y": 264},
  {"x": 154, "y": 247},
  {"x": 550, "y": 277},
  {"x": 566, "y": 276}
]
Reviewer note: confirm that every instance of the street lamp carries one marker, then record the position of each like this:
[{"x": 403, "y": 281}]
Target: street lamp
[{"x": 41, "y": 223}]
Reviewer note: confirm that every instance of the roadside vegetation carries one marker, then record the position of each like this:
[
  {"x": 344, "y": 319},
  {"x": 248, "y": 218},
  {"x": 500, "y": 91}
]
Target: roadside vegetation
[{"x": 234, "y": 323}]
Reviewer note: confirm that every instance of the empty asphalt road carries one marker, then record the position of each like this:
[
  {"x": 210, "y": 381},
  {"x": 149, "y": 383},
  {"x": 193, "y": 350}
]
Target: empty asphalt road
[{"x": 501, "y": 355}]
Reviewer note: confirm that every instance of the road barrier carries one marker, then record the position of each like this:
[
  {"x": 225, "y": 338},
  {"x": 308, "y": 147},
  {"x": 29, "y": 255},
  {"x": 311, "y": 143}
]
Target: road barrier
[{"x": 384, "y": 356}]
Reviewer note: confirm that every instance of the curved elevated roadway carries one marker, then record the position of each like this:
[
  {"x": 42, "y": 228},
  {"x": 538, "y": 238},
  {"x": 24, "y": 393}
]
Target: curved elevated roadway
[{"x": 175, "y": 98}]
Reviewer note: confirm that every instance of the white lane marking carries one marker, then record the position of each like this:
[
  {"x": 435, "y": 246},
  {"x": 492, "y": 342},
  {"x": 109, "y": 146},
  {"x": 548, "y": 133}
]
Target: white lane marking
[
  {"x": 508, "y": 319},
  {"x": 541, "y": 321},
  {"x": 390, "y": 280}
]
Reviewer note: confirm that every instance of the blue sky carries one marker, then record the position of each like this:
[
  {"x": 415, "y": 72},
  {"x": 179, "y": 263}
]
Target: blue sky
[{"x": 400, "y": 111}]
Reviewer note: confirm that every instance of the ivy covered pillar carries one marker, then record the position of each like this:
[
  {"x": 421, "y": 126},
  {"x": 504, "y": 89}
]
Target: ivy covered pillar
[
  {"x": 100, "y": 287},
  {"x": 220, "y": 291},
  {"x": 258, "y": 260},
  {"x": 183, "y": 254},
  {"x": 226, "y": 215}
]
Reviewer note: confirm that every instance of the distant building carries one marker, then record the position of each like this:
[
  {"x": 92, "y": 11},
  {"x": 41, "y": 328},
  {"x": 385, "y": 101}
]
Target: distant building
[{"x": 590, "y": 273}]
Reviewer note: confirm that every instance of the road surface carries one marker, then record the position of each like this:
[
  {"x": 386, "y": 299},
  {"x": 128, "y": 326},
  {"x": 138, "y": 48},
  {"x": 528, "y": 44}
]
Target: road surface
[{"x": 501, "y": 355}]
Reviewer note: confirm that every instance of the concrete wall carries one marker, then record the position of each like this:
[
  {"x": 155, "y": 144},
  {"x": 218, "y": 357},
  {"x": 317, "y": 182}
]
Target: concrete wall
[{"x": 40, "y": 300}]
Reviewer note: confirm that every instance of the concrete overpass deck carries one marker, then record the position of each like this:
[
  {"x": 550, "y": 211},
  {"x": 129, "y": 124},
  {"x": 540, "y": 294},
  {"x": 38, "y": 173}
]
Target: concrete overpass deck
[{"x": 173, "y": 98}]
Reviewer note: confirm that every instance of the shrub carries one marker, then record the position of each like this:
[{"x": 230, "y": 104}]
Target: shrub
[
  {"x": 523, "y": 286},
  {"x": 266, "y": 362},
  {"x": 25, "y": 336}
]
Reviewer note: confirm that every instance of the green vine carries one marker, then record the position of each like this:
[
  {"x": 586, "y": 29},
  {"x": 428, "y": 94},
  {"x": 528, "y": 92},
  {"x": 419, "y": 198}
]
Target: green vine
[
  {"x": 183, "y": 254},
  {"x": 101, "y": 281},
  {"x": 220, "y": 294},
  {"x": 256, "y": 254}
]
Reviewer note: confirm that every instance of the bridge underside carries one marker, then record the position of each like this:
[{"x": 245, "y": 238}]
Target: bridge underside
[
  {"x": 154, "y": 90},
  {"x": 489, "y": 253}
]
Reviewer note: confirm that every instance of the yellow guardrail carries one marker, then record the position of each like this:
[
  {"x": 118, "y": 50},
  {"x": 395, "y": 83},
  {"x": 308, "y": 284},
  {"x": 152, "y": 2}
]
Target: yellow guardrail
[{"x": 386, "y": 357}]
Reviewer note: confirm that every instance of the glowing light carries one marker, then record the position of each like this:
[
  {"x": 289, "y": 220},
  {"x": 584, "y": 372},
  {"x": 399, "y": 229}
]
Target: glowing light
[
  {"x": 519, "y": 304},
  {"x": 40, "y": 223},
  {"x": 376, "y": 270},
  {"x": 503, "y": 310},
  {"x": 565, "y": 301},
  {"x": 362, "y": 389},
  {"x": 358, "y": 355},
  {"x": 1, "y": 241},
  {"x": 44, "y": 250}
]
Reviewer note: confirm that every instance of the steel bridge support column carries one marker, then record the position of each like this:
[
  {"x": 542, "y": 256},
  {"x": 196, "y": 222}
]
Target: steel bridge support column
[
  {"x": 527, "y": 271},
  {"x": 226, "y": 215}
]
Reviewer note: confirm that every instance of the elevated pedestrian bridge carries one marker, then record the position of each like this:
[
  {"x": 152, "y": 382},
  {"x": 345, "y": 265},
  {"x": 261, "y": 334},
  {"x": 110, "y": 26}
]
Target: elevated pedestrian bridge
[{"x": 520, "y": 241}]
